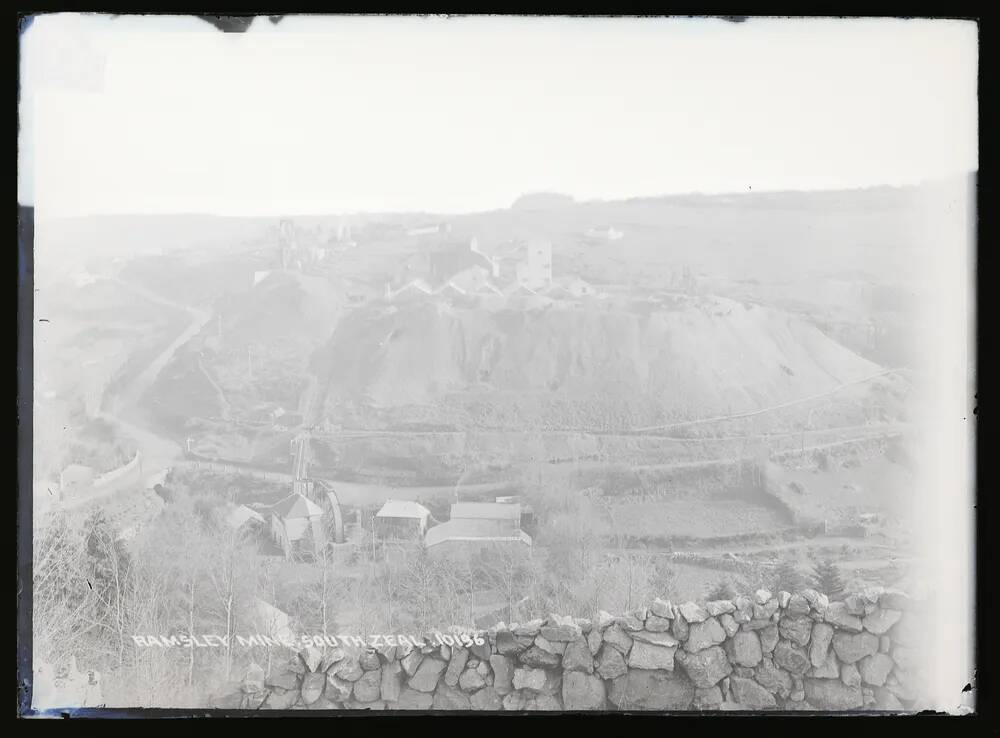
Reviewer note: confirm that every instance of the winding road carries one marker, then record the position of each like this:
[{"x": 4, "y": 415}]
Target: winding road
[{"x": 157, "y": 451}]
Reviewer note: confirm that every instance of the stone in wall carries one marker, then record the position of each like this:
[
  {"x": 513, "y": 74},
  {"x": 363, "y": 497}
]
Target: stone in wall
[
  {"x": 410, "y": 699},
  {"x": 875, "y": 668},
  {"x": 486, "y": 699},
  {"x": 392, "y": 681},
  {"x": 743, "y": 649},
  {"x": 578, "y": 657},
  {"x": 610, "y": 662},
  {"x": 749, "y": 695},
  {"x": 773, "y": 678},
  {"x": 851, "y": 647},
  {"x": 819, "y": 646},
  {"x": 650, "y": 656},
  {"x": 705, "y": 633},
  {"x": 426, "y": 677},
  {"x": 839, "y": 616},
  {"x": 830, "y": 669},
  {"x": 368, "y": 687},
  {"x": 729, "y": 624},
  {"x": 538, "y": 658},
  {"x": 791, "y": 657},
  {"x": 617, "y": 638},
  {"x": 707, "y": 699},
  {"x": 313, "y": 686},
  {"x": 642, "y": 689},
  {"x": 455, "y": 666},
  {"x": 450, "y": 698},
  {"x": 503, "y": 673},
  {"x": 796, "y": 628},
  {"x": 707, "y": 667},
  {"x": 528, "y": 678},
  {"x": 581, "y": 691},
  {"x": 337, "y": 689},
  {"x": 692, "y": 612},
  {"x": 768, "y": 637},
  {"x": 832, "y": 694}
]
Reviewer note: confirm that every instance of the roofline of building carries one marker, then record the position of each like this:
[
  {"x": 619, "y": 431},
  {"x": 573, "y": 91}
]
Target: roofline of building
[
  {"x": 521, "y": 538},
  {"x": 482, "y": 539}
]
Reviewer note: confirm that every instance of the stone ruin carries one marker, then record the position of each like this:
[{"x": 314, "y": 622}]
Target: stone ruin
[{"x": 764, "y": 652}]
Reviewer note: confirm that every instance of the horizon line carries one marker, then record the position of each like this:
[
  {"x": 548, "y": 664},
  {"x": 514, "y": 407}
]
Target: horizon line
[{"x": 575, "y": 201}]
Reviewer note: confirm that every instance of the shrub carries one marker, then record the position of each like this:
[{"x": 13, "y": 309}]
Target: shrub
[{"x": 723, "y": 590}]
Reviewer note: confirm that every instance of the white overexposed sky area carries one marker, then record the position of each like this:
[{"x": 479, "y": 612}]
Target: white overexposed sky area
[{"x": 159, "y": 114}]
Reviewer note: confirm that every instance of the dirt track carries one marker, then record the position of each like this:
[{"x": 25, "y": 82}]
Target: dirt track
[{"x": 157, "y": 451}]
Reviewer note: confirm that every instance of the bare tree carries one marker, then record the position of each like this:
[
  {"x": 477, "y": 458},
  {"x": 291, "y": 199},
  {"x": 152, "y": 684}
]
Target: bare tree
[
  {"x": 509, "y": 568},
  {"x": 227, "y": 565},
  {"x": 62, "y": 600},
  {"x": 113, "y": 578}
]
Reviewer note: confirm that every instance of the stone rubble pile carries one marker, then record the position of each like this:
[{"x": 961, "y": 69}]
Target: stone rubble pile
[{"x": 767, "y": 651}]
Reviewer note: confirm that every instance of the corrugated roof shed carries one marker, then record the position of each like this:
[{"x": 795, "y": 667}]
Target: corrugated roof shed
[
  {"x": 403, "y": 509},
  {"x": 468, "y": 530},
  {"x": 486, "y": 511},
  {"x": 241, "y": 514}
]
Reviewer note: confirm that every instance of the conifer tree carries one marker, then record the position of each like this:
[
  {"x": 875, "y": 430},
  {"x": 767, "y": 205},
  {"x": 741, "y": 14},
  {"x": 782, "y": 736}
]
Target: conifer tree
[
  {"x": 787, "y": 577},
  {"x": 828, "y": 580}
]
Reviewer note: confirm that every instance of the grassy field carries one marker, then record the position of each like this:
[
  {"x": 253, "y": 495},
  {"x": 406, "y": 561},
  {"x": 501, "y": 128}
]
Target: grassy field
[{"x": 696, "y": 518}]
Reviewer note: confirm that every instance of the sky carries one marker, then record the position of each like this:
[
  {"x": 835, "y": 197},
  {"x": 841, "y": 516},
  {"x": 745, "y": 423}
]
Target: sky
[{"x": 161, "y": 114}]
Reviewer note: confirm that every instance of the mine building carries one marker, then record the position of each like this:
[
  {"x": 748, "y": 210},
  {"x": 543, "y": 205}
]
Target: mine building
[
  {"x": 469, "y": 538},
  {"x": 401, "y": 520},
  {"x": 475, "y": 527},
  {"x": 243, "y": 519},
  {"x": 297, "y": 526}
]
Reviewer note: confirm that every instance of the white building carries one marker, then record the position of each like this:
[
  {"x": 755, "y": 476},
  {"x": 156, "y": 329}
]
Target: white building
[
  {"x": 428, "y": 229},
  {"x": 528, "y": 263},
  {"x": 604, "y": 233},
  {"x": 402, "y": 519},
  {"x": 535, "y": 271},
  {"x": 477, "y": 527},
  {"x": 501, "y": 517},
  {"x": 466, "y": 538}
]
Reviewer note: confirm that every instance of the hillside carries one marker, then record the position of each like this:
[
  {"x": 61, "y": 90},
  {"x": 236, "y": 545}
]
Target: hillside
[
  {"x": 706, "y": 357},
  {"x": 772, "y": 236},
  {"x": 270, "y": 330},
  {"x": 283, "y": 305}
]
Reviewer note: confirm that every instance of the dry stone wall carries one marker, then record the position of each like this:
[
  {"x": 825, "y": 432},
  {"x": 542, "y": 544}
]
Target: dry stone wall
[{"x": 761, "y": 652}]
